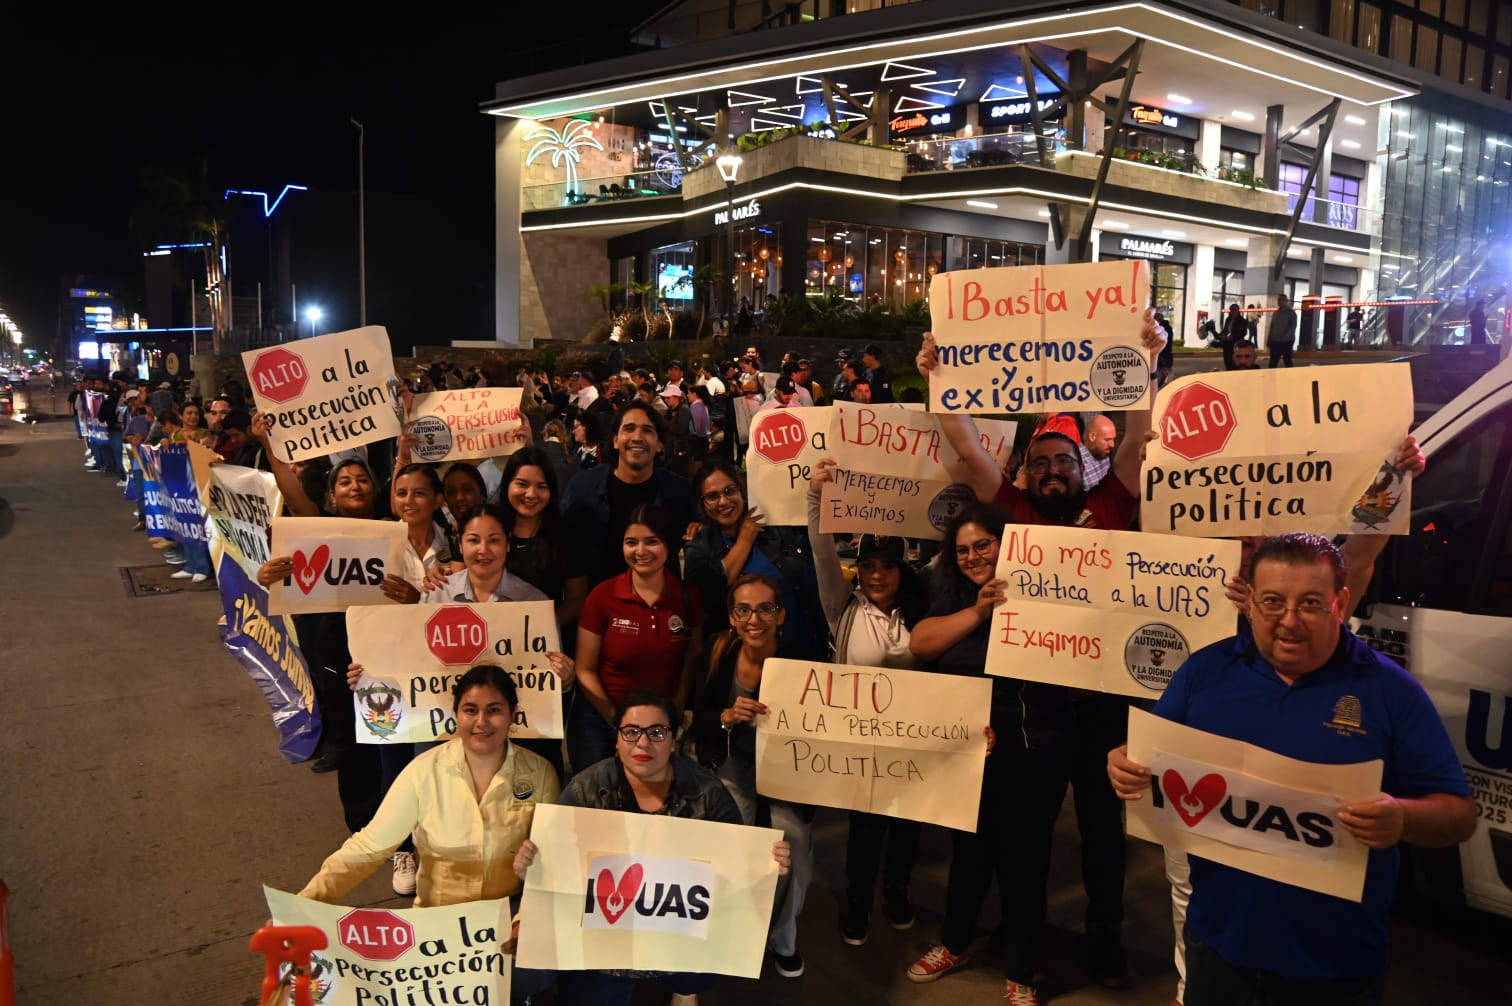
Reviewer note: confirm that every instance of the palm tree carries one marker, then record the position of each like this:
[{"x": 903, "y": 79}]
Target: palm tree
[
  {"x": 704, "y": 279},
  {"x": 604, "y": 294},
  {"x": 563, "y": 145},
  {"x": 644, "y": 289},
  {"x": 179, "y": 203}
]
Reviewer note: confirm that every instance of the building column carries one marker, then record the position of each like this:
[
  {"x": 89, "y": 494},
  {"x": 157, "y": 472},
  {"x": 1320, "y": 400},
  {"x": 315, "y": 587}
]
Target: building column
[
  {"x": 1199, "y": 291},
  {"x": 1260, "y": 288},
  {"x": 1209, "y": 145},
  {"x": 1270, "y": 145},
  {"x": 1308, "y": 324},
  {"x": 1072, "y": 216},
  {"x": 508, "y": 248}
]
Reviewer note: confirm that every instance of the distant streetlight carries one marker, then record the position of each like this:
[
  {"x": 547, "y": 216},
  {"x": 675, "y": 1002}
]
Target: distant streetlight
[
  {"x": 361, "y": 233},
  {"x": 314, "y": 314},
  {"x": 729, "y": 170}
]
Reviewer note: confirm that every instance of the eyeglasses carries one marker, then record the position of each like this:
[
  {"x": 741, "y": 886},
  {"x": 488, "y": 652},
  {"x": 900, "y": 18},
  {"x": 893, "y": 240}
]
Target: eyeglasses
[
  {"x": 1062, "y": 463},
  {"x": 656, "y": 734},
  {"x": 978, "y": 548},
  {"x": 728, "y": 492},
  {"x": 1274, "y": 609},
  {"x": 766, "y": 612}
]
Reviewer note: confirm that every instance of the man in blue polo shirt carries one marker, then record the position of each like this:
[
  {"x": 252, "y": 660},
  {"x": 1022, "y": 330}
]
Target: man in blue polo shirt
[{"x": 1305, "y": 687}]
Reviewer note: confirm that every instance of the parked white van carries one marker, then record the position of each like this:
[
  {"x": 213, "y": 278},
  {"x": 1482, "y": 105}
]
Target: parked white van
[{"x": 1441, "y": 605}]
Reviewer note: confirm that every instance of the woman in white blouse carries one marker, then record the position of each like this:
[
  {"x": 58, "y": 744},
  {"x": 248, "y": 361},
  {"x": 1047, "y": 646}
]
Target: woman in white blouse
[{"x": 870, "y": 624}]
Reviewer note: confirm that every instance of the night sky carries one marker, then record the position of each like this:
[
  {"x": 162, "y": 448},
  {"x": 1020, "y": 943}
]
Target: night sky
[{"x": 82, "y": 113}]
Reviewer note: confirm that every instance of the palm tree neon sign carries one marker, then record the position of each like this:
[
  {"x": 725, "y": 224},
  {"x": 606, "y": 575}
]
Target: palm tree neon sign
[{"x": 563, "y": 145}]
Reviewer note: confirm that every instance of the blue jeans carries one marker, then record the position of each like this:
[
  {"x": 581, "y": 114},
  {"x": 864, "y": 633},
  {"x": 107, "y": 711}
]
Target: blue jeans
[
  {"x": 595, "y": 988},
  {"x": 197, "y": 557},
  {"x": 113, "y": 453},
  {"x": 1213, "y": 981}
]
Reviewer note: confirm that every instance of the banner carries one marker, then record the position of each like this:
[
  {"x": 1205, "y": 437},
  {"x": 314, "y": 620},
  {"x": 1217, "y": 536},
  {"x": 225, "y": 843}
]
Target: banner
[
  {"x": 897, "y": 473},
  {"x": 1074, "y": 344},
  {"x": 94, "y": 427},
  {"x": 902, "y": 743},
  {"x": 1109, "y": 611},
  {"x": 786, "y": 445},
  {"x": 389, "y": 957},
  {"x": 155, "y": 504},
  {"x": 326, "y": 394},
  {"x": 242, "y": 503},
  {"x": 186, "y": 515},
  {"x": 1248, "y": 808},
  {"x": 466, "y": 423},
  {"x": 265, "y": 647},
  {"x": 412, "y": 655},
  {"x": 645, "y": 892},
  {"x": 338, "y": 562},
  {"x": 1252, "y": 452}
]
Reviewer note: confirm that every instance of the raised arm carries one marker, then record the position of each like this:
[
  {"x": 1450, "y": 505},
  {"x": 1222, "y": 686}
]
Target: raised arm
[
  {"x": 295, "y": 501},
  {"x": 834, "y": 590},
  {"x": 982, "y": 472},
  {"x": 1126, "y": 460}
]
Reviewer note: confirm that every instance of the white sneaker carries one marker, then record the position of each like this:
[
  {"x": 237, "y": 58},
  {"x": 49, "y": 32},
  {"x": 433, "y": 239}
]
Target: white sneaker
[
  {"x": 404, "y": 874},
  {"x": 198, "y": 577},
  {"x": 182, "y": 574}
]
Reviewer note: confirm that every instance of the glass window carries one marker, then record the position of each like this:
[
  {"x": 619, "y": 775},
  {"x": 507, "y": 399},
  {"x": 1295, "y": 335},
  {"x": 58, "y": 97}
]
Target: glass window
[
  {"x": 1343, "y": 201},
  {"x": 1504, "y": 26},
  {"x": 1401, "y": 38},
  {"x": 672, "y": 270},
  {"x": 758, "y": 263},
  {"x": 1368, "y": 37},
  {"x": 1499, "y": 75},
  {"x": 1341, "y": 21},
  {"x": 1306, "y": 14},
  {"x": 1449, "y": 58},
  {"x": 1454, "y": 12},
  {"x": 1292, "y": 178},
  {"x": 1479, "y": 19},
  {"x": 1426, "y": 52},
  {"x": 1475, "y": 66},
  {"x": 870, "y": 265},
  {"x": 1430, "y": 7}
]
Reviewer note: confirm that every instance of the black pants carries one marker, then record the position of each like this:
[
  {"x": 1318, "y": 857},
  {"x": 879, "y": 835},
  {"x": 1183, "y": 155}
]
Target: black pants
[
  {"x": 878, "y": 842},
  {"x": 1102, "y": 724},
  {"x": 1022, "y": 790},
  {"x": 1280, "y": 351},
  {"x": 1213, "y": 981}
]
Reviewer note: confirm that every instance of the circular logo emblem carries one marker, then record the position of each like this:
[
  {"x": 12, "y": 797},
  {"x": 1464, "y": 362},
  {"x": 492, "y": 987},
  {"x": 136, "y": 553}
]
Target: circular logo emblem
[
  {"x": 171, "y": 364},
  {"x": 949, "y": 503},
  {"x": 435, "y": 438},
  {"x": 675, "y": 623},
  {"x": 1120, "y": 375},
  {"x": 523, "y": 790},
  {"x": 1152, "y": 654}
]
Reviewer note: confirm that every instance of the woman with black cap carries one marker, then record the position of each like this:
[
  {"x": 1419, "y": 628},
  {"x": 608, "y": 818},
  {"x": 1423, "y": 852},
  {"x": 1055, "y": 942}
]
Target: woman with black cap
[{"x": 871, "y": 625}]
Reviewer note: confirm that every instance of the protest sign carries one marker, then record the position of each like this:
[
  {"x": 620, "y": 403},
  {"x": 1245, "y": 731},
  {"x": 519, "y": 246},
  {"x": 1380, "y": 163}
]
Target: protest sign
[
  {"x": 155, "y": 506},
  {"x": 241, "y": 505},
  {"x": 646, "y": 892},
  {"x": 887, "y": 741},
  {"x": 1057, "y": 338},
  {"x": 388, "y": 957},
  {"x": 186, "y": 514},
  {"x": 466, "y": 423},
  {"x": 265, "y": 647},
  {"x": 1272, "y": 451},
  {"x": 786, "y": 445},
  {"x": 1248, "y": 808},
  {"x": 411, "y": 655},
  {"x": 338, "y": 562},
  {"x": 1111, "y": 611},
  {"x": 95, "y": 430},
  {"x": 326, "y": 394},
  {"x": 897, "y": 473}
]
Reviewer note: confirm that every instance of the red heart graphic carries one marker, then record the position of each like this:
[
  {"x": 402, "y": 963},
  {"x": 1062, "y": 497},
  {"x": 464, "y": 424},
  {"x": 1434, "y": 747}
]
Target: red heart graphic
[
  {"x": 307, "y": 571},
  {"x": 615, "y": 901},
  {"x": 1196, "y": 804}
]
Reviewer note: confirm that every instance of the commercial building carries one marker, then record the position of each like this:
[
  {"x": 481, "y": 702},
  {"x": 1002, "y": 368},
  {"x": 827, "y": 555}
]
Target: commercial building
[{"x": 1354, "y": 156}]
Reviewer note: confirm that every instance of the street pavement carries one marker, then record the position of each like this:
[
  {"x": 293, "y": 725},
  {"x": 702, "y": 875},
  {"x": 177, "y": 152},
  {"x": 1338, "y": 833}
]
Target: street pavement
[{"x": 143, "y": 803}]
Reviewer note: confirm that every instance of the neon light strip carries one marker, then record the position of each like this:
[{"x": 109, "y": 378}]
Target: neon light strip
[
  {"x": 513, "y": 110},
  {"x": 267, "y": 210}
]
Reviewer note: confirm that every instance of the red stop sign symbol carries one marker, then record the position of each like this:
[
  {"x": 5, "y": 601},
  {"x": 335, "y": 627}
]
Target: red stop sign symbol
[
  {"x": 1198, "y": 421},
  {"x": 279, "y": 375},
  {"x": 456, "y": 634},
  {"x": 781, "y": 436},
  {"x": 376, "y": 934}
]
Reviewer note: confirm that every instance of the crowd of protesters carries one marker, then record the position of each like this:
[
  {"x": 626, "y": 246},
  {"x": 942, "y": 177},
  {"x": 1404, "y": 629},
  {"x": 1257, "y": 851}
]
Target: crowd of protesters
[{"x": 629, "y": 512}]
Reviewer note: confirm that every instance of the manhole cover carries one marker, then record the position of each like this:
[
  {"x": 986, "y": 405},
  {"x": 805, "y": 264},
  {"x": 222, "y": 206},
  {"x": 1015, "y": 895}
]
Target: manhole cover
[{"x": 150, "y": 581}]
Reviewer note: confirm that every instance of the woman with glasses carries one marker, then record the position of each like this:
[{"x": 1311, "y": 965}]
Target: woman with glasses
[
  {"x": 871, "y": 624},
  {"x": 642, "y": 776},
  {"x": 732, "y": 539},
  {"x": 1028, "y": 762},
  {"x": 638, "y": 630},
  {"x": 725, "y": 727}
]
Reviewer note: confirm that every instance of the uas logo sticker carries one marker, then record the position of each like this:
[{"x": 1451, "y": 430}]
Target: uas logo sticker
[{"x": 649, "y": 894}]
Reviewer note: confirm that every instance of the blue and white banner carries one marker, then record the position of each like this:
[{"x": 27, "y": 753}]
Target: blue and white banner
[{"x": 186, "y": 515}]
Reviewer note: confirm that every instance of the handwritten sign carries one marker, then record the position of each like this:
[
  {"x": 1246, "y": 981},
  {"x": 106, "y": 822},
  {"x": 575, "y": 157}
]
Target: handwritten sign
[
  {"x": 412, "y": 655},
  {"x": 786, "y": 445},
  {"x": 376, "y": 956},
  {"x": 1248, "y": 808},
  {"x": 1112, "y": 611},
  {"x": 325, "y": 394},
  {"x": 242, "y": 504},
  {"x": 650, "y": 893},
  {"x": 1059, "y": 338},
  {"x": 898, "y": 474},
  {"x": 1273, "y": 451},
  {"x": 466, "y": 423},
  {"x": 338, "y": 562},
  {"x": 902, "y": 743}
]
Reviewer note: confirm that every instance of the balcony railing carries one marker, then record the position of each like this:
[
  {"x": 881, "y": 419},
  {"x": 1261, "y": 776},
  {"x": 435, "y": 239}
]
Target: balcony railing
[
  {"x": 587, "y": 191},
  {"x": 989, "y": 151}
]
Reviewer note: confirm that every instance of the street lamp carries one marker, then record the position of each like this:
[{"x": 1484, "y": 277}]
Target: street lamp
[
  {"x": 729, "y": 170},
  {"x": 314, "y": 314},
  {"x": 361, "y": 232}
]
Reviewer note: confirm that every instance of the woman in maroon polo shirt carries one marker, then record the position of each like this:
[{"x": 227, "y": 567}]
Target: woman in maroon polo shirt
[{"x": 640, "y": 629}]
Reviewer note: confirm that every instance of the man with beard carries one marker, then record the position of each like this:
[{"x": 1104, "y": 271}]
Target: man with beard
[
  {"x": 599, "y": 499},
  {"x": 1055, "y": 493}
]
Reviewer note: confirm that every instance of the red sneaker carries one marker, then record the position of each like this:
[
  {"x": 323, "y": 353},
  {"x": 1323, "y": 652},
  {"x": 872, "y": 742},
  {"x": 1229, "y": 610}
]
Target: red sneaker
[{"x": 938, "y": 963}]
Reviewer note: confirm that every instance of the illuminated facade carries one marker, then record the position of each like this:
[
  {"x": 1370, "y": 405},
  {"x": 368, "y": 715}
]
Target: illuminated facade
[{"x": 1243, "y": 157}]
